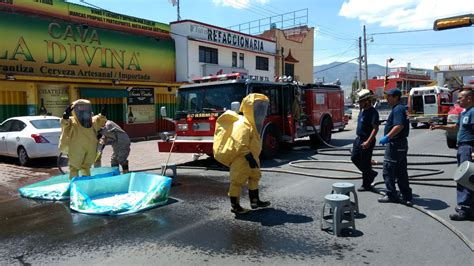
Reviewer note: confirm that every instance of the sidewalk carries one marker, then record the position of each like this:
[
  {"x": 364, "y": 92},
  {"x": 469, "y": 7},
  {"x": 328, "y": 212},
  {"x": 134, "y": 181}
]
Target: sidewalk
[{"x": 145, "y": 155}]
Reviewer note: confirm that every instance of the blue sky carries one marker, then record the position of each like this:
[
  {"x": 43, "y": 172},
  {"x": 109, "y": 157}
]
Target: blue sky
[{"x": 338, "y": 24}]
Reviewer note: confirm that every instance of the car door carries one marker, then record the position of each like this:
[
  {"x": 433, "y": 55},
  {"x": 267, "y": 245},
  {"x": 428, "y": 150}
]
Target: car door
[
  {"x": 4, "y": 130},
  {"x": 13, "y": 136},
  {"x": 430, "y": 105}
]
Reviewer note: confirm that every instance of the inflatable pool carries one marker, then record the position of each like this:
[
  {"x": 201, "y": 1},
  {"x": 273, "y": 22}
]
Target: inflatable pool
[
  {"x": 121, "y": 194},
  {"x": 57, "y": 187}
]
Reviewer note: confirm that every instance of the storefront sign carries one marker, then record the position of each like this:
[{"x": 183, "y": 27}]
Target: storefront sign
[
  {"x": 141, "y": 114},
  {"x": 141, "y": 96},
  {"x": 229, "y": 38},
  {"x": 88, "y": 15},
  {"x": 35, "y": 46},
  {"x": 53, "y": 99}
]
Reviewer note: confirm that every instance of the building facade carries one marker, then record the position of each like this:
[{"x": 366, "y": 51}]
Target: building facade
[
  {"x": 54, "y": 52},
  {"x": 295, "y": 52},
  {"x": 403, "y": 78},
  {"x": 204, "y": 50}
]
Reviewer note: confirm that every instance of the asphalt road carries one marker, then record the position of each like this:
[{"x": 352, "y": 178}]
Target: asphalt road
[{"x": 196, "y": 226}]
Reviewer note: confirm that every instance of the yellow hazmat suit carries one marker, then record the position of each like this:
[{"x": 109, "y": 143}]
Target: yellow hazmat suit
[
  {"x": 79, "y": 137},
  {"x": 236, "y": 141}
]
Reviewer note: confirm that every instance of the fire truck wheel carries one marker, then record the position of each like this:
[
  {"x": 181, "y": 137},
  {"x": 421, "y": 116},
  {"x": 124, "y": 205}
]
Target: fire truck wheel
[
  {"x": 271, "y": 142},
  {"x": 326, "y": 130}
]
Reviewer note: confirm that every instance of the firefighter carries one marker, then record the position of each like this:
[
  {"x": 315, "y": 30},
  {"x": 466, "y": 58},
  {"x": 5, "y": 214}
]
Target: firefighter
[
  {"x": 111, "y": 133},
  {"x": 465, "y": 141},
  {"x": 395, "y": 158},
  {"x": 240, "y": 147},
  {"x": 363, "y": 146},
  {"x": 79, "y": 136}
]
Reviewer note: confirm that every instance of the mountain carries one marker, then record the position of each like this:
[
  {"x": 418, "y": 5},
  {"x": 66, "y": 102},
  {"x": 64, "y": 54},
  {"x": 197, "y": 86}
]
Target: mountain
[{"x": 346, "y": 73}]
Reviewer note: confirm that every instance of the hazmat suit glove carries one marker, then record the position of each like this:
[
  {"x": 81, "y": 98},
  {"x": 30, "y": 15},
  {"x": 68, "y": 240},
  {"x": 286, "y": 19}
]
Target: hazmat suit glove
[
  {"x": 67, "y": 112},
  {"x": 384, "y": 140},
  {"x": 103, "y": 110},
  {"x": 251, "y": 160}
]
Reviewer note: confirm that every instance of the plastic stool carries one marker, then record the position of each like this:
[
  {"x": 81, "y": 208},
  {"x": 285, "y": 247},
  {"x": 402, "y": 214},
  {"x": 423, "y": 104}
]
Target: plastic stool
[
  {"x": 340, "y": 206},
  {"x": 170, "y": 166},
  {"x": 346, "y": 188}
]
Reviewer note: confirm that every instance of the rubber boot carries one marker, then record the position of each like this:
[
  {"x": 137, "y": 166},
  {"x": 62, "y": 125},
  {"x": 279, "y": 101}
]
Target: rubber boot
[
  {"x": 255, "y": 201},
  {"x": 125, "y": 168},
  {"x": 236, "y": 208}
]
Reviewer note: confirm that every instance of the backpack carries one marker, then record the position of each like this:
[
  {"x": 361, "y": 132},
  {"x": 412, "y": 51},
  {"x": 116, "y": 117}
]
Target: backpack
[{"x": 224, "y": 147}]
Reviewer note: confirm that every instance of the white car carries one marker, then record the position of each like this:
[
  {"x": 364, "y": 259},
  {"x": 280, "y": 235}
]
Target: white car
[{"x": 27, "y": 137}]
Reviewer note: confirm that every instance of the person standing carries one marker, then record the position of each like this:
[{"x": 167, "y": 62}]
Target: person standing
[
  {"x": 237, "y": 144},
  {"x": 395, "y": 158},
  {"x": 78, "y": 139},
  {"x": 364, "y": 143},
  {"x": 465, "y": 142}
]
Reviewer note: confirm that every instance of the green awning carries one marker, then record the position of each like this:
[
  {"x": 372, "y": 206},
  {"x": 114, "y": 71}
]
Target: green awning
[{"x": 103, "y": 93}]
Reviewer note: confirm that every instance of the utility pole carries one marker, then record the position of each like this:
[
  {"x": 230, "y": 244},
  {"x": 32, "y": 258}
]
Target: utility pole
[
  {"x": 282, "y": 61},
  {"x": 360, "y": 64},
  {"x": 177, "y": 3},
  {"x": 365, "y": 61}
]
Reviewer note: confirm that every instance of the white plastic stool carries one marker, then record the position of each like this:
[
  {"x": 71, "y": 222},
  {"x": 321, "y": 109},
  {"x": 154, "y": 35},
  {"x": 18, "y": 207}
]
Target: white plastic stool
[
  {"x": 339, "y": 207},
  {"x": 170, "y": 166},
  {"x": 346, "y": 188}
]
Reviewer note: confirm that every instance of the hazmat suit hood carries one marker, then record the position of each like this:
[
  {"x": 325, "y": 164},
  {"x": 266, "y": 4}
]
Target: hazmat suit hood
[
  {"x": 82, "y": 111},
  {"x": 254, "y": 107}
]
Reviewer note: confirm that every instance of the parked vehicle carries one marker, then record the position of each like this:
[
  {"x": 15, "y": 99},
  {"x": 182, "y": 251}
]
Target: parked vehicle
[
  {"x": 348, "y": 112},
  {"x": 295, "y": 111},
  {"x": 384, "y": 110},
  {"x": 27, "y": 137},
  {"x": 425, "y": 105}
]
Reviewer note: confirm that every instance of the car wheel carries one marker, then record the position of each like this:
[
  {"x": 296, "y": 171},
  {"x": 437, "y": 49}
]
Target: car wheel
[
  {"x": 23, "y": 158},
  {"x": 414, "y": 125}
]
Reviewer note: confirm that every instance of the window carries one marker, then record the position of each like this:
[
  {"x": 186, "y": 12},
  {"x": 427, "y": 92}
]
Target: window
[
  {"x": 46, "y": 123},
  {"x": 241, "y": 60},
  {"x": 208, "y": 55},
  {"x": 234, "y": 59},
  {"x": 430, "y": 99},
  {"x": 289, "y": 70},
  {"x": 262, "y": 63}
]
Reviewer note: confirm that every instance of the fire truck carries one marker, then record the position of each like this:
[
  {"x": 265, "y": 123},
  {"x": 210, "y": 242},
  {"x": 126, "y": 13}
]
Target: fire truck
[{"x": 295, "y": 111}]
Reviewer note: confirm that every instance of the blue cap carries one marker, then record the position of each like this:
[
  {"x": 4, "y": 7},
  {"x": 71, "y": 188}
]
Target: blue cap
[{"x": 395, "y": 92}]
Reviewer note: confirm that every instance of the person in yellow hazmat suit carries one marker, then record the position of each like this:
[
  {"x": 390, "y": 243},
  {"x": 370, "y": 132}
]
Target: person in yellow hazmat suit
[
  {"x": 237, "y": 144},
  {"x": 78, "y": 139}
]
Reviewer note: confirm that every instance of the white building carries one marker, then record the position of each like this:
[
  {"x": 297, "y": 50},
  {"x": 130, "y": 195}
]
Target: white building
[{"x": 203, "y": 50}]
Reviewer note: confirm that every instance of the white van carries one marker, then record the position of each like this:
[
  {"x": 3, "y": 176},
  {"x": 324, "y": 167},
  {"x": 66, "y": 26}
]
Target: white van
[
  {"x": 425, "y": 105},
  {"x": 383, "y": 109}
]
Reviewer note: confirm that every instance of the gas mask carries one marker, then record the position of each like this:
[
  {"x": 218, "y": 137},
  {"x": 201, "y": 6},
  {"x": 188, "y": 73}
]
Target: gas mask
[
  {"x": 259, "y": 114},
  {"x": 84, "y": 114}
]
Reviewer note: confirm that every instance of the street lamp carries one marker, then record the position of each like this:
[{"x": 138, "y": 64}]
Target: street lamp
[{"x": 389, "y": 60}]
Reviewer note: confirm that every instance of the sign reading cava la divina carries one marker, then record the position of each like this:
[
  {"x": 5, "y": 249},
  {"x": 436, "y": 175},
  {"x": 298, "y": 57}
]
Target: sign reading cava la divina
[{"x": 35, "y": 46}]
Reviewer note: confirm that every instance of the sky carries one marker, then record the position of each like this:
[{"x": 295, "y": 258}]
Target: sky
[{"x": 400, "y": 29}]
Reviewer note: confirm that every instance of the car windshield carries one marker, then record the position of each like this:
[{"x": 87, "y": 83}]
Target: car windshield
[
  {"x": 46, "y": 123},
  {"x": 210, "y": 98}
]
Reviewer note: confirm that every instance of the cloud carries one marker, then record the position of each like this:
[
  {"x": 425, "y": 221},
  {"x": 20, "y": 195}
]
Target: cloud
[
  {"x": 238, "y": 4},
  {"x": 404, "y": 14}
]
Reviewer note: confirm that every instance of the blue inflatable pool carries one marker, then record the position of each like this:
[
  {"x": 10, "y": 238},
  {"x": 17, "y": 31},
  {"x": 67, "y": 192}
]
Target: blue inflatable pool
[
  {"x": 57, "y": 187},
  {"x": 120, "y": 194}
]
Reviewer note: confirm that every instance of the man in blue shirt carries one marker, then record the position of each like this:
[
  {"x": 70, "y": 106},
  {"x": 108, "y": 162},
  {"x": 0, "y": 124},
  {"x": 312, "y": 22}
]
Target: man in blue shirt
[
  {"x": 395, "y": 159},
  {"x": 465, "y": 141},
  {"x": 363, "y": 146}
]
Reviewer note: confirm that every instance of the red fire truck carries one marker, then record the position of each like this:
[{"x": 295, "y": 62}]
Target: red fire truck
[{"x": 295, "y": 111}]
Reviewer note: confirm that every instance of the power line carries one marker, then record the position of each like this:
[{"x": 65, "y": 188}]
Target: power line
[
  {"x": 322, "y": 70},
  {"x": 397, "y": 32}
]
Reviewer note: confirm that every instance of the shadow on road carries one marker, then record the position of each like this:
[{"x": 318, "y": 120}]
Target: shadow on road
[
  {"x": 272, "y": 217},
  {"x": 430, "y": 204}
]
